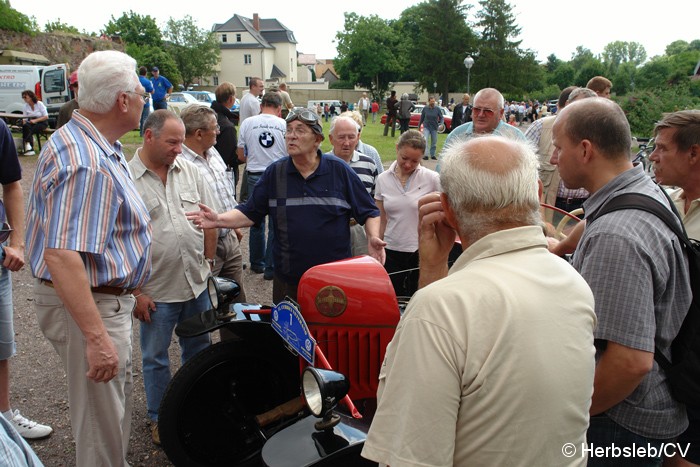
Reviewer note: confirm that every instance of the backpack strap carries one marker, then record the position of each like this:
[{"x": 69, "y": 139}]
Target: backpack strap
[{"x": 670, "y": 217}]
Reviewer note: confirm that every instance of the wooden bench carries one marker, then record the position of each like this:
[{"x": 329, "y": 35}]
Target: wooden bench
[{"x": 45, "y": 134}]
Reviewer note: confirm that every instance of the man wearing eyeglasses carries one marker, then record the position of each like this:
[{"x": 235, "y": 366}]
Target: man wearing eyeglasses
[
  {"x": 12, "y": 249},
  {"x": 89, "y": 246},
  {"x": 487, "y": 118},
  {"x": 310, "y": 198},
  {"x": 201, "y": 132}
]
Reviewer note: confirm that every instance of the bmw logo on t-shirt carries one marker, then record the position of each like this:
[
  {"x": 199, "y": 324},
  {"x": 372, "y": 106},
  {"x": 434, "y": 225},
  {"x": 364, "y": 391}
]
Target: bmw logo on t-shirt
[{"x": 266, "y": 139}]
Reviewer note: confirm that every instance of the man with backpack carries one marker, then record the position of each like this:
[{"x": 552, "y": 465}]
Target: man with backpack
[
  {"x": 638, "y": 272},
  {"x": 676, "y": 160}
]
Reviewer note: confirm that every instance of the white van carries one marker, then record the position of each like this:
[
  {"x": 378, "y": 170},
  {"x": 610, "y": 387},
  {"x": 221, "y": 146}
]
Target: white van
[
  {"x": 312, "y": 104},
  {"x": 49, "y": 83}
]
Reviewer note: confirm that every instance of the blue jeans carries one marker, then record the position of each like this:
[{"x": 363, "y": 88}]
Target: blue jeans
[
  {"x": 7, "y": 333},
  {"x": 260, "y": 251},
  {"x": 433, "y": 140},
  {"x": 604, "y": 432},
  {"x": 155, "y": 340}
]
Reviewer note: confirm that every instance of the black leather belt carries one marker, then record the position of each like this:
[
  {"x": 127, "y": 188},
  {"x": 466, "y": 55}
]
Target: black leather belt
[{"x": 106, "y": 289}]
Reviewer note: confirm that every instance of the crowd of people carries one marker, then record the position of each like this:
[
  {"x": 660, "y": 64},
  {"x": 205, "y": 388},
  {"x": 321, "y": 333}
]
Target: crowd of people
[{"x": 508, "y": 339}]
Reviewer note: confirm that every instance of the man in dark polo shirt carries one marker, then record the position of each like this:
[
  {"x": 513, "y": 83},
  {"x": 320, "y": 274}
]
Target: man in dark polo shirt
[{"x": 310, "y": 198}]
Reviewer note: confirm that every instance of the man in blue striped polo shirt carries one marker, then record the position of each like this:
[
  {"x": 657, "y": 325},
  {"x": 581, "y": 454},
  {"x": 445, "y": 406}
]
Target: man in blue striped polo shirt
[{"x": 89, "y": 246}]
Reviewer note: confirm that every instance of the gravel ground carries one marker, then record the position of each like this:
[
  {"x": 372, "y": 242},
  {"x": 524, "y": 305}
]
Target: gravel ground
[{"x": 38, "y": 383}]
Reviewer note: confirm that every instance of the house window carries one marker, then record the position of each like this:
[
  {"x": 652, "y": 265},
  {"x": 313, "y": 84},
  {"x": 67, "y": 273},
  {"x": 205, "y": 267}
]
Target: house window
[
  {"x": 238, "y": 38},
  {"x": 247, "y": 80},
  {"x": 223, "y": 38},
  {"x": 247, "y": 59},
  {"x": 216, "y": 80}
]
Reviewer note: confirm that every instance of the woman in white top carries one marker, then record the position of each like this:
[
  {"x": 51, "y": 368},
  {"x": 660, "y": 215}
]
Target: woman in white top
[
  {"x": 396, "y": 193},
  {"x": 37, "y": 120}
]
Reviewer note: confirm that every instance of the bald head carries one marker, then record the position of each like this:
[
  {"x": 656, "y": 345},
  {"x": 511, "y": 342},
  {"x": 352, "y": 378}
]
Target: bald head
[
  {"x": 490, "y": 183},
  {"x": 600, "y": 121}
]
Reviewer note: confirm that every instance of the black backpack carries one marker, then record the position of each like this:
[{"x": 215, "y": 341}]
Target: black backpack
[{"x": 683, "y": 374}]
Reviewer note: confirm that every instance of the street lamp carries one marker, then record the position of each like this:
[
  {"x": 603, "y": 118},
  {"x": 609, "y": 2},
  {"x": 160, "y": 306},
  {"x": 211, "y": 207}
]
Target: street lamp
[
  {"x": 435, "y": 88},
  {"x": 469, "y": 63}
]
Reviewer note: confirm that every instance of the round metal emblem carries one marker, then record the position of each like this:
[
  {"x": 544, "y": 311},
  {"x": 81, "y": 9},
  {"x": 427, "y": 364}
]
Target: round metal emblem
[{"x": 331, "y": 301}]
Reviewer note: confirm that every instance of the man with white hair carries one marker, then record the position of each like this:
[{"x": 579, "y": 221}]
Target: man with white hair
[
  {"x": 89, "y": 246},
  {"x": 525, "y": 316},
  {"x": 344, "y": 135},
  {"x": 487, "y": 119}
]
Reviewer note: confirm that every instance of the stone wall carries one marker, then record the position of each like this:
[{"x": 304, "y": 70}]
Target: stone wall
[{"x": 57, "y": 47}]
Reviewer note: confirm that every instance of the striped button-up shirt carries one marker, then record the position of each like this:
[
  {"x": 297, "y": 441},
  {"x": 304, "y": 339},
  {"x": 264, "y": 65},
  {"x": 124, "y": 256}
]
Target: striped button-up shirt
[
  {"x": 216, "y": 177},
  {"x": 83, "y": 199}
]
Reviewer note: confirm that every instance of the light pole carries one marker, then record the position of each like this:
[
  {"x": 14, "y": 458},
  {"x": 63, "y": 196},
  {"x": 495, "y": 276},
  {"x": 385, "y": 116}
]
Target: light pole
[{"x": 469, "y": 63}]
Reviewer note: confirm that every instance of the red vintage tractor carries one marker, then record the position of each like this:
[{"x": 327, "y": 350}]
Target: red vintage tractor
[{"x": 296, "y": 385}]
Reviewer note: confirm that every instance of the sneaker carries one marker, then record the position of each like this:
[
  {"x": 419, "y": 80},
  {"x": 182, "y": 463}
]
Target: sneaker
[
  {"x": 425, "y": 158},
  {"x": 257, "y": 269},
  {"x": 269, "y": 275},
  {"x": 27, "y": 147},
  {"x": 29, "y": 153},
  {"x": 155, "y": 436},
  {"x": 29, "y": 429},
  {"x": 433, "y": 158}
]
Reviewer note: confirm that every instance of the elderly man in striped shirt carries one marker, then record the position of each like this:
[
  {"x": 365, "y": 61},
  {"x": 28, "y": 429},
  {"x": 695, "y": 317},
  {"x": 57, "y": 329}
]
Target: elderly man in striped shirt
[
  {"x": 344, "y": 135},
  {"x": 89, "y": 246}
]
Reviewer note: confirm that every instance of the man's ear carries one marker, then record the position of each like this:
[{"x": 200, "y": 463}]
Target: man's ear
[
  {"x": 450, "y": 217},
  {"x": 540, "y": 188},
  {"x": 694, "y": 154},
  {"x": 587, "y": 150}
]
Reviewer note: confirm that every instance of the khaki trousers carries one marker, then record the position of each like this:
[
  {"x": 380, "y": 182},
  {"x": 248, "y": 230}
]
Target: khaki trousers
[{"x": 100, "y": 413}]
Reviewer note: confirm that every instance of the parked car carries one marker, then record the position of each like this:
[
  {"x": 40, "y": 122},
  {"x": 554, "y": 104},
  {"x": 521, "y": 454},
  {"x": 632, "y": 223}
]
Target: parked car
[
  {"x": 415, "y": 119},
  {"x": 180, "y": 100},
  {"x": 202, "y": 96}
]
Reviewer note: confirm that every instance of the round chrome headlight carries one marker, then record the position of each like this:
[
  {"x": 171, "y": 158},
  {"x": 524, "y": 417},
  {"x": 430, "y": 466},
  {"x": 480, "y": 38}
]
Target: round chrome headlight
[
  {"x": 312, "y": 393},
  {"x": 323, "y": 389}
]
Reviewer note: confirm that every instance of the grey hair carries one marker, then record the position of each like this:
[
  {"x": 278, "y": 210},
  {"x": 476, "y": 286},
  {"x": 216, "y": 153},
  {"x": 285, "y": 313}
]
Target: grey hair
[
  {"x": 580, "y": 93},
  {"x": 343, "y": 118},
  {"x": 196, "y": 117},
  {"x": 487, "y": 196},
  {"x": 103, "y": 76},
  {"x": 490, "y": 91}
]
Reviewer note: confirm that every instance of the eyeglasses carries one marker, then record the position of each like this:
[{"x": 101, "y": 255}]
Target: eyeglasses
[
  {"x": 144, "y": 95},
  {"x": 5, "y": 232},
  {"x": 216, "y": 129},
  {"x": 305, "y": 115},
  {"x": 482, "y": 110}
]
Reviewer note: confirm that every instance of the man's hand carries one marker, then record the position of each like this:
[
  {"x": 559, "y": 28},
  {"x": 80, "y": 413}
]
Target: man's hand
[
  {"x": 239, "y": 234},
  {"x": 144, "y": 307},
  {"x": 205, "y": 218},
  {"x": 13, "y": 258},
  {"x": 436, "y": 239},
  {"x": 375, "y": 248},
  {"x": 103, "y": 361}
]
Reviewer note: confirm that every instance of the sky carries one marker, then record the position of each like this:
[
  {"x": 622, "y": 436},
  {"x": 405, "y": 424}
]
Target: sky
[{"x": 547, "y": 26}]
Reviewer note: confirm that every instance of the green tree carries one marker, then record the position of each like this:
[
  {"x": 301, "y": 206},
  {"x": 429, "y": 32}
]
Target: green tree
[
  {"x": 150, "y": 56},
  {"x": 195, "y": 51},
  {"x": 563, "y": 76},
  {"x": 59, "y": 26},
  {"x": 367, "y": 53},
  {"x": 135, "y": 29},
  {"x": 13, "y": 20},
  {"x": 444, "y": 41},
  {"x": 502, "y": 64},
  {"x": 619, "y": 52}
]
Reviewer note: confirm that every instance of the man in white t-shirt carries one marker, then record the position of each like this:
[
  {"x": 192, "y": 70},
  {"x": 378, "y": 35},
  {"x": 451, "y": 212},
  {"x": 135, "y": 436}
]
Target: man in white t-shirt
[{"x": 260, "y": 143}]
